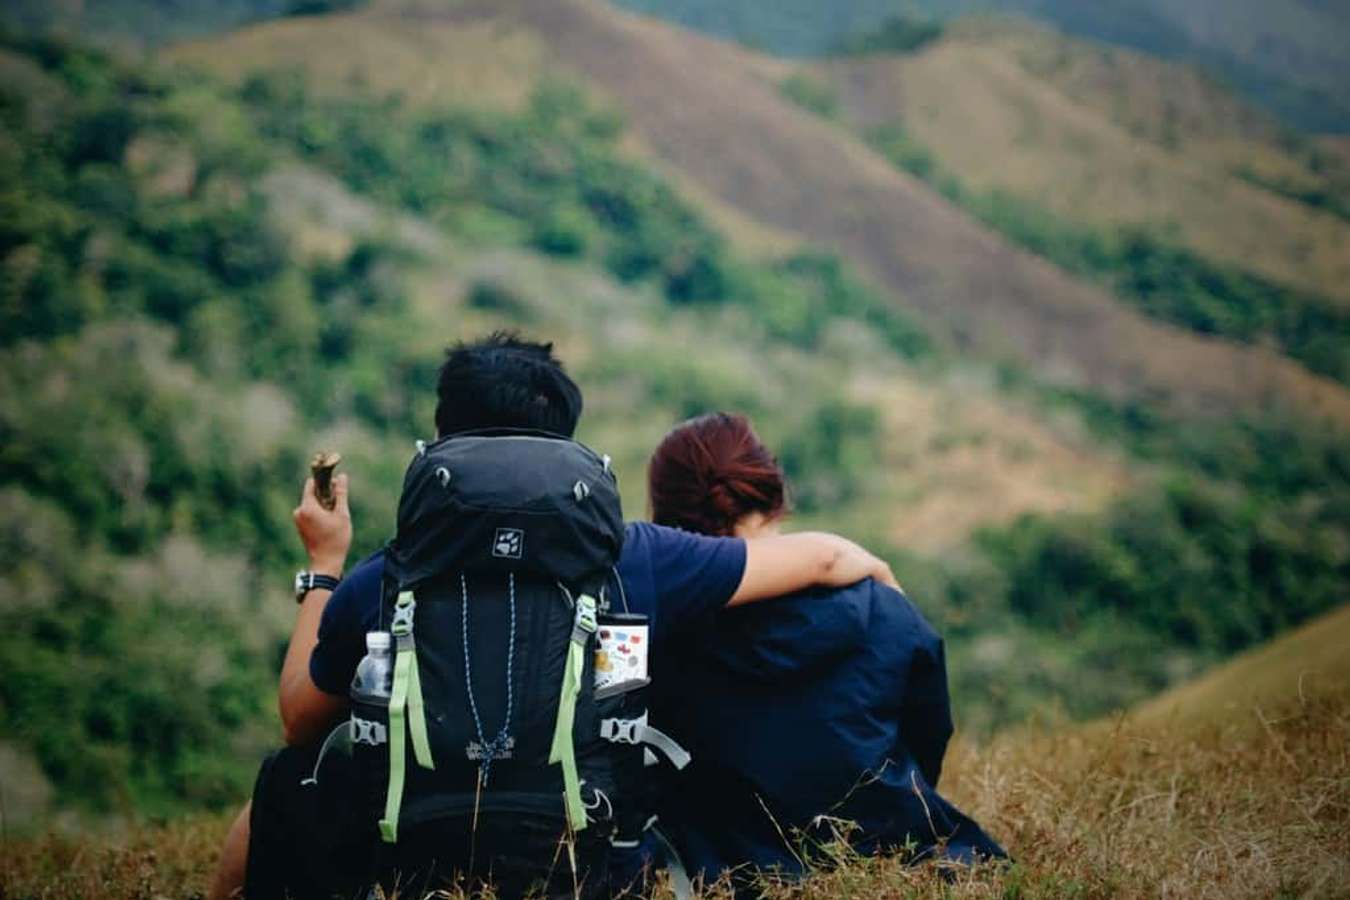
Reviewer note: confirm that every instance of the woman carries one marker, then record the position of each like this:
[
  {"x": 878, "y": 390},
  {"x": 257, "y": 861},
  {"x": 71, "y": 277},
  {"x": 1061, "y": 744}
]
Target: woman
[{"x": 824, "y": 708}]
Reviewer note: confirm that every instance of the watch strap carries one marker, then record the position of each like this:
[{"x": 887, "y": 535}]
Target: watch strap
[{"x": 309, "y": 581}]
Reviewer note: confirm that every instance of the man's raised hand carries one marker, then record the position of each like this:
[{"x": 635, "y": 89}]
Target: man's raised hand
[{"x": 326, "y": 534}]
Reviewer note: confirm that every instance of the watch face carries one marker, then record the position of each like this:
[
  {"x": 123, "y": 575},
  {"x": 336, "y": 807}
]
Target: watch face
[{"x": 300, "y": 583}]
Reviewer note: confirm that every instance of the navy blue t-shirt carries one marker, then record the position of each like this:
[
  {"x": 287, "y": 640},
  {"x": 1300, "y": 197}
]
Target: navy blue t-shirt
[{"x": 673, "y": 577}]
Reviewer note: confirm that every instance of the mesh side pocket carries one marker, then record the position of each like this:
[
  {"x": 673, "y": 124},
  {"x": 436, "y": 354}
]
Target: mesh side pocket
[
  {"x": 621, "y": 701},
  {"x": 369, "y": 723}
]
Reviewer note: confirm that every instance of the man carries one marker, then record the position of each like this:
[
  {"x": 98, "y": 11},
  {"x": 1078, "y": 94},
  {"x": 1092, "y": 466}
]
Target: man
[{"x": 292, "y": 836}]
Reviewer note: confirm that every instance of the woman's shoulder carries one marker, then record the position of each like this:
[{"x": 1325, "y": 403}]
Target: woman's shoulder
[{"x": 891, "y": 608}]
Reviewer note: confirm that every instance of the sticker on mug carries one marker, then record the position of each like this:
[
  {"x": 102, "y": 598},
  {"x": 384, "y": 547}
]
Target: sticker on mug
[{"x": 621, "y": 655}]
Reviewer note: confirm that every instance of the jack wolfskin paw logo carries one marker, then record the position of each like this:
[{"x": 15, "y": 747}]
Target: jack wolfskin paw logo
[{"x": 508, "y": 543}]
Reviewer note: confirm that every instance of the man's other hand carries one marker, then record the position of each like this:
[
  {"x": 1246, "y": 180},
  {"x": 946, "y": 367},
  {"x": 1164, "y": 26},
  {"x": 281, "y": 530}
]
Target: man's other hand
[
  {"x": 856, "y": 563},
  {"x": 326, "y": 534}
]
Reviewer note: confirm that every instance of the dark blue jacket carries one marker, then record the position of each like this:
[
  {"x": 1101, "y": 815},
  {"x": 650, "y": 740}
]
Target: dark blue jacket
[{"x": 826, "y": 703}]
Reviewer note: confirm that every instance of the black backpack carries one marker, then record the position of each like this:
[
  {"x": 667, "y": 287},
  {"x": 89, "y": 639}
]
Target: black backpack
[{"x": 496, "y": 756}]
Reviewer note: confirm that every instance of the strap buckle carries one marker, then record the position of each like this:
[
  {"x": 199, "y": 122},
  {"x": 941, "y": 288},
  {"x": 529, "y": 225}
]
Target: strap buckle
[
  {"x": 637, "y": 731},
  {"x": 623, "y": 731},
  {"x": 402, "y": 624},
  {"x": 586, "y": 622},
  {"x": 365, "y": 731}
]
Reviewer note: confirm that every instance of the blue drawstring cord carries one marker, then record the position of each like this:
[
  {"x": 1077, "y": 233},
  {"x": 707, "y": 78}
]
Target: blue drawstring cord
[{"x": 500, "y": 743}]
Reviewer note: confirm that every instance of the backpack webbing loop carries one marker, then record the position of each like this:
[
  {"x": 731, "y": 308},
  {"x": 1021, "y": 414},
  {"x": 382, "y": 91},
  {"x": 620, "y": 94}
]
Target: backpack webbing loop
[
  {"x": 563, "y": 750},
  {"x": 405, "y": 704}
]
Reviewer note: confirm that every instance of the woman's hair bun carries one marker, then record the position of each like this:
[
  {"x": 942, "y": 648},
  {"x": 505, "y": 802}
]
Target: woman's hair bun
[{"x": 710, "y": 472}]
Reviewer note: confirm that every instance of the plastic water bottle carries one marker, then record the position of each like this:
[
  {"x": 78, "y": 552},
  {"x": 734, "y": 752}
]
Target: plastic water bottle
[{"x": 375, "y": 673}]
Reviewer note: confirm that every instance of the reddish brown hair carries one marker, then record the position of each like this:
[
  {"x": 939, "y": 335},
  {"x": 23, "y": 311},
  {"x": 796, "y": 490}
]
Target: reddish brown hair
[{"x": 711, "y": 471}]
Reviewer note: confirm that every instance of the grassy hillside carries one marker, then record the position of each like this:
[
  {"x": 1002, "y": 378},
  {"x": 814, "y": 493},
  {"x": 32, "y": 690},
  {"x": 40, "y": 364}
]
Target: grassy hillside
[
  {"x": 213, "y": 278},
  {"x": 1286, "y": 56},
  {"x": 1107, "y": 138},
  {"x": 1206, "y": 792},
  {"x": 1308, "y": 662},
  {"x": 1205, "y": 153}
]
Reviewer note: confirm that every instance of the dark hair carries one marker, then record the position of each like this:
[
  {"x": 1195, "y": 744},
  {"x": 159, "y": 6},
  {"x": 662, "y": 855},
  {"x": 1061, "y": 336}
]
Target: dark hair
[
  {"x": 710, "y": 472},
  {"x": 504, "y": 381}
]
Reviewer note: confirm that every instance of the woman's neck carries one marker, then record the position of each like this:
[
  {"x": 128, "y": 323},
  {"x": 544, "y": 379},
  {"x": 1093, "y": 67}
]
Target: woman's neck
[{"x": 756, "y": 525}]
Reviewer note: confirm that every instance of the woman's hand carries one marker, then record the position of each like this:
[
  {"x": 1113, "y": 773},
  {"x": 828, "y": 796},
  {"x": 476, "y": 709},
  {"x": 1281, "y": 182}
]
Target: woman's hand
[{"x": 326, "y": 534}]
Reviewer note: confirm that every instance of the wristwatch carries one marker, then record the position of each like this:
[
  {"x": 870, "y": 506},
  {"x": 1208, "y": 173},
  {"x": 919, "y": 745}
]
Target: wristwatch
[{"x": 308, "y": 581}]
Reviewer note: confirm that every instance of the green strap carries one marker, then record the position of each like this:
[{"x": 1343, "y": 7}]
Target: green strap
[
  {"x": 393, "y": 800},
  {"x": 563, "y": 749},
  {"x": 417, "y": 716},
  {"x": 405, "y": 705}
]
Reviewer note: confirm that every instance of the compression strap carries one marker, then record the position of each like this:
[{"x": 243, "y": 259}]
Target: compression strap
[
  {"x": 564, "y": 749},
  {"x": 405, "y": 705},
  {"x": 417, "y": 715},
  {"x": 393, "y": 799},
  {"x": 638, "y": 731}
]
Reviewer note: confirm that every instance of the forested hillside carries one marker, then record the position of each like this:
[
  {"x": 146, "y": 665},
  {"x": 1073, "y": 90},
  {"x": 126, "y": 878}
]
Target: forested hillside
[
  {"x": 140, "y": 23},
  {"x": 205, "y": 278}
]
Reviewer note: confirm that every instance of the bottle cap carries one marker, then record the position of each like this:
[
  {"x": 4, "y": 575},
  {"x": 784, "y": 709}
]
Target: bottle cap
[{"x": 377, "y": 640}]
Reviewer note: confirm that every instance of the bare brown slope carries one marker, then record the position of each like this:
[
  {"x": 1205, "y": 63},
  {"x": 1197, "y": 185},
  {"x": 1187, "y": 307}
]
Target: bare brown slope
[
  {"x": 699, "y": 104},
  {"x": 1106, "y": 138}
]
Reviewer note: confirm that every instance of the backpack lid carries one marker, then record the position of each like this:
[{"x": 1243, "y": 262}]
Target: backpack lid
[{"x": 530, "y": 503}]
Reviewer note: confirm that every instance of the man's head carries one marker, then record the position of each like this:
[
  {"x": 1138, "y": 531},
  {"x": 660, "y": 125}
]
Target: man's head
[{"x": 504, "y": 381}]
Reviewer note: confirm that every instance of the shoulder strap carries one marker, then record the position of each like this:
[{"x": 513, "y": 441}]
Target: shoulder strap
[
  {"x": 405, "y": 704},
  {"x": 563, "y": 750}
]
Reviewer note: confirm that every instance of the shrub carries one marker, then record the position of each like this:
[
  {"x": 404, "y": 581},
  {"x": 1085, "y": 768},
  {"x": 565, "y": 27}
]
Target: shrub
[{"x": 897, "y": 34}]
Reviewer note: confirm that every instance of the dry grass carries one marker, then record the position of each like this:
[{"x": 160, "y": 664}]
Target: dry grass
[
  {"x": 1175, "y": 801},
  {"x": 958, "y": 457},
  {"x": 140, "y": 862}
]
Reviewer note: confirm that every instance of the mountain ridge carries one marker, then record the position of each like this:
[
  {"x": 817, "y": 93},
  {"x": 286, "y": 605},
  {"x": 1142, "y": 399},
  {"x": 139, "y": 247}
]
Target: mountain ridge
[{"x": 1285, "y": 56}]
